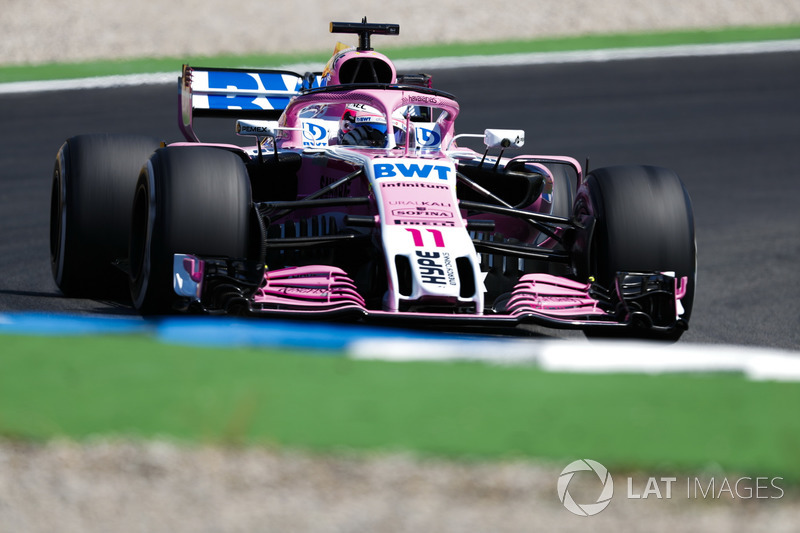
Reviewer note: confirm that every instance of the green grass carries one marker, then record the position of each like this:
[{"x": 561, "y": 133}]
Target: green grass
[
  {"x": 137, "y": 387},
  {"x": 172, "y": 64}
]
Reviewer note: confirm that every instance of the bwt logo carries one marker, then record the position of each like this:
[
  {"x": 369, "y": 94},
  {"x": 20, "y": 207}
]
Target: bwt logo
[
  {"x": 428, "y": 138},
  {"x": 314, "y": 135},
  {"x": 585, "y": 509},
  {"x": 411, "y": 170},
  {"x": 248, "y": 81}
]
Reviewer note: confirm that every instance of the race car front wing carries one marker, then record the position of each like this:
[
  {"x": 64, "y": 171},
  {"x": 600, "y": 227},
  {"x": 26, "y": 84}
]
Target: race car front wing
[{"x": 646, "y": 300}]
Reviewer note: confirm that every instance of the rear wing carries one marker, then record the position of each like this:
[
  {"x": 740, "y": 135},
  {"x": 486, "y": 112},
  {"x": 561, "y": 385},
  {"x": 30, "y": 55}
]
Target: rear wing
[{"x": 236, "y": 93}]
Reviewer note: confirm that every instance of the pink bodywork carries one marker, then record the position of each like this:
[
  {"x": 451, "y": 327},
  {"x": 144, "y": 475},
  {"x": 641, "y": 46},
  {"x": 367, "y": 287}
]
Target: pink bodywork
[
  {"x": 317, "y": 286},
  {"x": 552, "y": 296},
  {"x": 417, "y": 220}
]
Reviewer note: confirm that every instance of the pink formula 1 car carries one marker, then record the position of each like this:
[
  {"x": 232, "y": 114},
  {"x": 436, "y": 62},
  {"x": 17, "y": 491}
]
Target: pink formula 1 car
[{"x": 357, "y": 200}]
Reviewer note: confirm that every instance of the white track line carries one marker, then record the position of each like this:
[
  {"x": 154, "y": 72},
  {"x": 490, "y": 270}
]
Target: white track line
[
  {"x": 591, "y": 357},
  {"x": 612, "y": 54},
  {"x": 100, "y": 82},
  {"x": 539, "y": 58}
]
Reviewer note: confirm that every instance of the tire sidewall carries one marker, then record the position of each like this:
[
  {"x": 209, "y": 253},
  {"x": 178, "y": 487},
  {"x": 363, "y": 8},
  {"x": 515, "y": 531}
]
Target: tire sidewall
[
  {"x": 58, "y": 217},
  {"x": 143, "y": 220}
]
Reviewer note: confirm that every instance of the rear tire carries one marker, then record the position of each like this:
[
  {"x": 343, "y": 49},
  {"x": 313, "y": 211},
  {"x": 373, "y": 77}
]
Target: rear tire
[
  {"x": 90, "y": 211},
  {"x": 644, "y": 223},
  {"x": 192, "y": 200}
]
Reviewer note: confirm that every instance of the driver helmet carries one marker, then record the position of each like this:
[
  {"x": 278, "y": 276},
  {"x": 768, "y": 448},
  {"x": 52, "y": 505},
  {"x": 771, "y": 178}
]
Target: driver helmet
[{"x": 364, "y": 126}]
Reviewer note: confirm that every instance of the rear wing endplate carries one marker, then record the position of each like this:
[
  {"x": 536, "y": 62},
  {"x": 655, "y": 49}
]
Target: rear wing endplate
[{"x": 236, "y": 93}]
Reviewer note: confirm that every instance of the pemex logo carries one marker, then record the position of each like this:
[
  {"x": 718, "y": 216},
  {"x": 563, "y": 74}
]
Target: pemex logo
[{"x": 585, "y": 509}]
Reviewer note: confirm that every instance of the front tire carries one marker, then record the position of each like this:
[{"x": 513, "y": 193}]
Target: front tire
[
  {"x": 644, "y": 223},
  {"x": 192, "y": 200}
]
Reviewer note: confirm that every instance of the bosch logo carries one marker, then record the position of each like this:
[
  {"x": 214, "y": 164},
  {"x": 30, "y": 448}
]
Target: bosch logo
[{"x": 585, "y": 509}]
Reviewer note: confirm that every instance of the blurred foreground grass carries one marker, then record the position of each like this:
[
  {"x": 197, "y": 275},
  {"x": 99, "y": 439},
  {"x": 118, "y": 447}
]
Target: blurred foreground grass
[{"x": 135, "y": 386}]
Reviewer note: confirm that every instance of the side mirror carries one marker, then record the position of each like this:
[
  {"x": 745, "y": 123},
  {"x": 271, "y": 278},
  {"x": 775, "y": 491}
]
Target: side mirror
[{"x": 494, "y": 138}]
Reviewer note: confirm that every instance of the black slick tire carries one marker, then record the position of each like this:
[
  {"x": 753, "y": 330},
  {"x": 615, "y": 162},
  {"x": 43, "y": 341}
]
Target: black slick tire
[
  {"x": 644, "y": 223},
  {"x": 189, "y": 199},
  {"x": 90, "y": 211}
]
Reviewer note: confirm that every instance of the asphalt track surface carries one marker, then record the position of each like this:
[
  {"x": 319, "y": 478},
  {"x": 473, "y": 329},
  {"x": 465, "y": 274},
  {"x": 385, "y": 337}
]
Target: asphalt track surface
[{"x": 729, "y": 126}]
